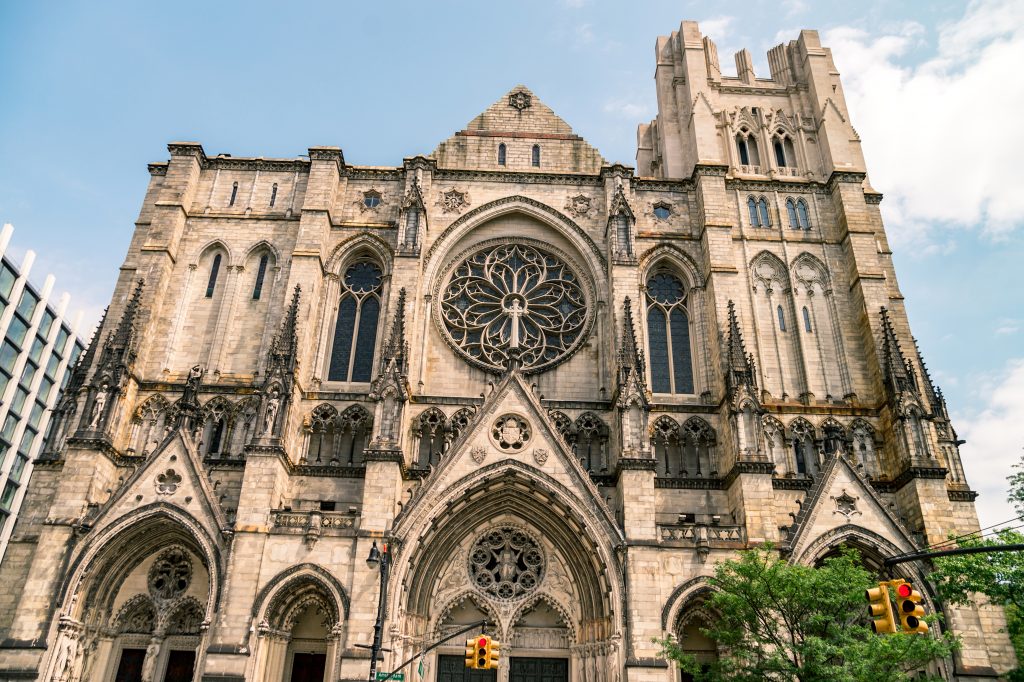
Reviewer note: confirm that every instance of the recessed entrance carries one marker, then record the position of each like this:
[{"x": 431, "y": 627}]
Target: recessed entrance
[
  {"x": 129, "y": 669},
  {"x": 453, "y": 669},
  {"x": 180, "y": 665},
  {"x": 308, "y": 667}
]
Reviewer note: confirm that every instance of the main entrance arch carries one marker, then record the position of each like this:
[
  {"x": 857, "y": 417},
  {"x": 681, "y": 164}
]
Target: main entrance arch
[{"x": 511, "y": 545}]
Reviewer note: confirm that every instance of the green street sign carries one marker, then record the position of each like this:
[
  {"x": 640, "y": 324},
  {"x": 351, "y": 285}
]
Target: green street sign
[{"x": 398, "y": 677}]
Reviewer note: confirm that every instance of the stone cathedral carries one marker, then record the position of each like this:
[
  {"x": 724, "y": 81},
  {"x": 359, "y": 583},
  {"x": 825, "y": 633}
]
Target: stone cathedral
[{"x": 557, "y": 390}]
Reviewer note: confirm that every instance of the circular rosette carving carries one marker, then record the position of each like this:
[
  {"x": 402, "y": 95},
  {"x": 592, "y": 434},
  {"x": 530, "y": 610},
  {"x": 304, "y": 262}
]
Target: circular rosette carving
[
  {"x": 514, "y": 302},
  {"x": 507, "y": 563},
  {"x": 170, "y": 575},
  {"x": 510, "y": 433}
]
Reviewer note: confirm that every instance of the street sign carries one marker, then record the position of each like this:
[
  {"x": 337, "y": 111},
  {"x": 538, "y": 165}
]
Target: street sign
[{"x": 397, "y": 677}]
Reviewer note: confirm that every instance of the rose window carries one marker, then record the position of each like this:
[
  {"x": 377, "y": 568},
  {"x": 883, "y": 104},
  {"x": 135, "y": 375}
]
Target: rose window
[
  {"x": 514, "y": 302},
  {"x": 511, "y": 433},
  {"x": 506, "y": 563}
]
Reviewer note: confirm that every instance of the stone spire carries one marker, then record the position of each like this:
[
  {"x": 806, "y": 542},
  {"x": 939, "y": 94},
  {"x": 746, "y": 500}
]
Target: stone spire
[
  {"x": 282, "y": 356},
  {"x": 396, "y": 350},
  {"x": 81, "y": 370},
  {"x": 390, "y": 389},
  {"x": 740, "y": 365},
  {"x": 631, "y": 357},
  {"x": 899, "y": 373},
  {"x": 931, "y": 391},
  {"x": 276, "y": 393},
  {"x": 118, "y": 354}
]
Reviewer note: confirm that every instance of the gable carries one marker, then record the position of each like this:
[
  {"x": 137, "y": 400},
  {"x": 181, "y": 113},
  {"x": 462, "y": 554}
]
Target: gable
[{"x": 520, "y": 121}]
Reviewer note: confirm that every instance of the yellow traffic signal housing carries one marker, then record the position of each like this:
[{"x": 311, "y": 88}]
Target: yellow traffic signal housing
[
  {"x": 493, "y": 655},
  {"x": 480, "y": 656},
  {"x": 880, "y": 608},
  {"x": 471, "y": 653},
  {"x": 911, "y": 612}
]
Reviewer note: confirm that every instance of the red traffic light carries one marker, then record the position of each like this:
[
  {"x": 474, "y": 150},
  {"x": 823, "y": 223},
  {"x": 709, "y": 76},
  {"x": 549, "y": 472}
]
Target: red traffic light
[
  {"x": 482, "y": 642},
  {"x": 904, "y": 590}
]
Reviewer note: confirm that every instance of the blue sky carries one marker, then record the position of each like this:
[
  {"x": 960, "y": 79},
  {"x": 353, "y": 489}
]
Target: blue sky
[{"x": 93, "y": 91}]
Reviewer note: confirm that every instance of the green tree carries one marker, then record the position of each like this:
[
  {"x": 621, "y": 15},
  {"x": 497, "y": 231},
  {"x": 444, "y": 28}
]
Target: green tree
[
  {"x": 779, "y": 621},
  {"x": 999, "y": 576}
]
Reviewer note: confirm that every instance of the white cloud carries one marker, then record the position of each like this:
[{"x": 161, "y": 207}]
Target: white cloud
[
  {"x": 717, "y": 28},
  {"x": 995, "y": 438},
  {"x": 794, "y": 7},
  {"x": 1007, "y": 325},
  {"x": 934, "y": 134}
]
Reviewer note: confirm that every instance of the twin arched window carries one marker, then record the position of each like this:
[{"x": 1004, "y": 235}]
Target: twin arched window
[
  {"x": 785, "y": 155},
  {"x": 757, "y": 208},
  {"x": 798, "y": 216},
  {"x": 668, "y": 334},
  {"x": 355, "y": 333},
  {"x": 746, "y": 146}
]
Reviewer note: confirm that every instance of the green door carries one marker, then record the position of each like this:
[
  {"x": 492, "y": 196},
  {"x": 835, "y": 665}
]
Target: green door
[
  {"x": 453, "y": 669},
  {"x": 539, "y": 670}
]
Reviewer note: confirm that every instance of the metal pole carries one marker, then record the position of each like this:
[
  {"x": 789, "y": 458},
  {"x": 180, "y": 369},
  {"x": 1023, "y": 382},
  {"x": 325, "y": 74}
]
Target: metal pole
[
  {"x": 378, "y": 628},
  {"x": 433, "y": 646},
  {"x": 990, "y": 549}
]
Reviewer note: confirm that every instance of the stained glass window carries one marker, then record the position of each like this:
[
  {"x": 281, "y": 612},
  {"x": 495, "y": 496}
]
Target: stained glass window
[
  {"x": 355, "y": 333},
  {"x": 668, "y": 335}
]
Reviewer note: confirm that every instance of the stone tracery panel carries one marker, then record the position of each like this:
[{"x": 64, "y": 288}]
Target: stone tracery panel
[
  {"x": 511, "y": 302},
  {"x": 506, "y": 563}
]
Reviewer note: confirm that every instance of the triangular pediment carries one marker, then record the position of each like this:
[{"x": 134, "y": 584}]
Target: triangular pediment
[
  {"x": 842, "y": 501},
  {"x": 496, "y": 434},
  {"x": 519, "y": 120},
  {"x": 172, "y": 475}
]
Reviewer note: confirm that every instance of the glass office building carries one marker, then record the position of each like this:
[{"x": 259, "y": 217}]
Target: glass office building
[{"x": 38, "y": 352}]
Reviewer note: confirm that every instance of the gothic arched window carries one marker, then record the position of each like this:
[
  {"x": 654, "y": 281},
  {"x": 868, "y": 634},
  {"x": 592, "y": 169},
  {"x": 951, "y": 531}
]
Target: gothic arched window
[
  {"x": 782, "y": 318},
  {"x": 752, "y": 210},
  {"x": 805, "y": 459},
  {"x": 354, "y": 431},
  {"x": 591, "y": 442},
  {"x": 807, "y": 320},
  {"x": 502, "y": 150},
  {"x": 431, "y": 430},
  {"x": 791, "y": 212},
  {"x": 322, "y": 432},
  {"x": 746, "y": 145},
  {"x": 764, "y": 218},
  {"x": 666, "y": 443},
  {"x": 273, "y": 195},
  {"x": 234, "y": 194},
  {"x": 801, "y": 212},
  {"x": 355, "y": 333},
  {"x": 261, "y": 274},
  {"x": 216, "y": 415},
  {"x": 211, "y": 284},
  {"x": 668, "y": 335},
  {"x": 535, "y": 158},
  {"x": 698, "y": 444}
]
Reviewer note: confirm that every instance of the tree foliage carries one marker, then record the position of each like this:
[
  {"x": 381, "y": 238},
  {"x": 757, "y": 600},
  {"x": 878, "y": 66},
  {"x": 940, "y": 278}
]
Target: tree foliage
[
  {"x": 779, "y": 621},
  {"x": 999, "y": 576}
]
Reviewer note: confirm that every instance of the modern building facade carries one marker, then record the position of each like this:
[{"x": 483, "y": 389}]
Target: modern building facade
[
  {"x": 39, "y": 349},
  {"x": 558, "y": 391}
]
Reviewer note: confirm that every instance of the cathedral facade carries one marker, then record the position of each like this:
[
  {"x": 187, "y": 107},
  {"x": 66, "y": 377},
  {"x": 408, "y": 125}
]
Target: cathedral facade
[{"x": 555, "y": 390}]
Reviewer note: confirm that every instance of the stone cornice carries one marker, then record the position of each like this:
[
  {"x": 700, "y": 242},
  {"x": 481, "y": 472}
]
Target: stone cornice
[
  {"x": 747, "y": 467},
  {"x": 792, "y": 483},
  {"x": 662, "y": 185},
  {"x": 961, "y": 495},
  {"x": 910, "y": 473},
  {"x": 689, "y": 483},
  {"x": 159, "y": 168},
  {"x": 371, "y": 173},
  {"x": 708, "y": 170},
  {"x": 873, "y": 198},
  {"x": 637, "y": 464},
  {"x": 514, "y": 177},
  {"x": 837, "y": 177},
  {"x": 259, "y": 164}
]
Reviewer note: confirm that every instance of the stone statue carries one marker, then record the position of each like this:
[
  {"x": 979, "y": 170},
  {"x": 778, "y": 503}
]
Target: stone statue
[
  {"x": 97, "y": 408},
  {"x": 195, "y": 377},
  {"x": 273, "y": 405},
  {"x": 149, "y": 664}
]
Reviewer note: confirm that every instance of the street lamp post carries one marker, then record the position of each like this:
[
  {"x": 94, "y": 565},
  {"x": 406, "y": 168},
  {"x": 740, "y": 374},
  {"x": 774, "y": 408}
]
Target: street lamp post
[{"x": 380, "y": 559}]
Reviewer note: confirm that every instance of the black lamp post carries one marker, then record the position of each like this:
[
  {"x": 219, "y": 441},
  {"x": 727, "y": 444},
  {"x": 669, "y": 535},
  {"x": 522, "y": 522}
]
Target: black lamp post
[{"x": 380, "y": 559}]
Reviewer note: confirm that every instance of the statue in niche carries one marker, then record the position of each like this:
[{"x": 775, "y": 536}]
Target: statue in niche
[
  {"x": 273, "y": 405},
  {"x": 195, "y": 377},
  {"x": 98, "y": 406},
  {"x": 149, "y": 664}
]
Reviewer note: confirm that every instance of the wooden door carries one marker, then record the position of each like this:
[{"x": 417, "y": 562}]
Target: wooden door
[
  {"x": 539, "y": 670},
  {"x": 129, "y": 668},
  {"x": 180, "y": 666},
  {"x": 453, "y": 669},
  {"x": 308, "y": 667}
]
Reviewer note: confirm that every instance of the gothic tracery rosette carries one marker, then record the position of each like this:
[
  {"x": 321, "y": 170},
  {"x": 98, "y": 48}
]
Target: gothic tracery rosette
[
  {"x": 506, "y": 563},
  {"x": 514, "y": 300}
]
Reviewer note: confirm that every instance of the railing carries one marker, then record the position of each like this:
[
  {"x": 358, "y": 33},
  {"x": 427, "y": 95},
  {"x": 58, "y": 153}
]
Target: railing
[
  {"x": 700, "y": 534},
  {"x": 791, "y": 171},
  {"x": 749, "y": 169},
  {"x": 314, "y": 522}
]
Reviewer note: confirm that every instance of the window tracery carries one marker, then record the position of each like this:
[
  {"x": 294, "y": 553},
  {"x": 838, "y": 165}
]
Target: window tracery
[
  {"x": 170, "y": 575},
  {"x": 431, "y": 430},
  {"x": 805, "y": 459},
  {"x": 322, "y": 433},
  {"x": 507, "y": 563},
  {"x": 514, "y": 302},
  {"x": 355, "y": 332},
  {"x": 698, "y": 445},
  {"x": 665, "y": 438},
  {"x": 459, "y": 422},
  {"x": 591, "y": 442},
  {"x": 668, "y": 334},
  {"x": 354, "y": 428}
]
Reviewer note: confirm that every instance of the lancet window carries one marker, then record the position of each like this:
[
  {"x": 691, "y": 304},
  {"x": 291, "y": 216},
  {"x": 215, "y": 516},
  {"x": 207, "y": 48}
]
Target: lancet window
[
  {"x": 698, "y": 449},
  {"x": 431, "y": 430},
  {"x": 668, "y": 334},
  {"x": 667, "y": 444},
  {"x": 322, "y": 432},
  {"x": 796, "y": 209},
  {"x": 785, "y": 155},
  {"x": 216, "y": 426},
  {"x": 535, "y": 156},
  {"x": 211, "y": 283},
  {"x": 834, "y": 436},
  {"x": 502, "y": 153},
  {"x": 591, "y": 442},
  {"x": 355, "y": 332},
  {"x": 805, "y": 459},
  {"x": 353, "y": 432},
  {"x": 746, "y": 147},
  {"x": 459, "y": 422}
]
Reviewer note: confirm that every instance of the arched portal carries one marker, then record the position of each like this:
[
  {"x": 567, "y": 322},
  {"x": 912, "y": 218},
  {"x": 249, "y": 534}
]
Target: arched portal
[
  {"x": 511, "y": 542},
  {"x": 138, "y": 603}
]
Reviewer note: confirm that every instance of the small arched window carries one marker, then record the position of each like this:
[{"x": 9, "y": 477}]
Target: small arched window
[
  {"x": 261, "y": 274},
  {"x": 780, "y": 154},
  {"x": 668, "y": 334},
  {"x": 782, "y": 318},
  {"x": 501, "y": 154},
  {"x": 762, "y": 212},
  {"x": 752, "y": 209},
  {"x": 746, "y": 146},
  {"x": 273, "y": 195},
  {"x": 741, "y": 147},
  {"x": 801, "y": 212},
  {"x": 787, "y": 145},
  {"x": 791, "y": 211},
  {"x": 234, "y": 194},
  {"x": 807, "y": 321},
  {"x": 536, "y": 156},
  {"x": 355, "y": 333},
  {"x": 211, "y": 285}
]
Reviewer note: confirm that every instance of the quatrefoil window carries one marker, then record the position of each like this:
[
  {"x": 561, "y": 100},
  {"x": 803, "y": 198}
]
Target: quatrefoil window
[
  {"x": 506, "y": 563},
  {"x": 167, "y": 482},
  {"x": 514, "y": 303}
]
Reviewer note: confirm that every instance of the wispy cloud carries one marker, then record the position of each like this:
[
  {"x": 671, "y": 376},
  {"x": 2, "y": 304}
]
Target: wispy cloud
[
  {"x": 994, "y": 440},
  {"x": 929, "y": 139},
  {"x": 794, "y": 7},
  {"x": 717, "y": 28},
  {"x": 1006, "y": 326},
  {"x": 583, "y": 35}
]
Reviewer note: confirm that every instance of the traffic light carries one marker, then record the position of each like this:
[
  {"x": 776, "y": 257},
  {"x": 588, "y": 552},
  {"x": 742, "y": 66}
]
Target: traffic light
[
  {"x": 911, "y": 611},
  {"x": 478, "y": 653},
  {"x": 880, "y": 608},
  {"x": 493, "y": 654},
  {"x": 471, "y": 653}
]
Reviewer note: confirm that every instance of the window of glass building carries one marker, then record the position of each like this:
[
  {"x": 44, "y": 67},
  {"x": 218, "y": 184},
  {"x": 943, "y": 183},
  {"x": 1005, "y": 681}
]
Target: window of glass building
[
  {"x": 7, "y": 499},
  {"x": 62, "y": 338},
  {"x": 44, "y": 389},
  {"x": 27, "y": 373},
  {"x": 27, "y": 306},
  {"x": 46, "y": 324},
  {"x": 51, "y": 366},
  {"x": 18, "y": 468},
  {"x": 17, "y": 331},
  {"x": 18, "y": 402},
  {"x": 7, "y": 279},
  {"x": 10, "y": 424},
  {"x": 8, "y": 357},
  {"x": 36, "y": 415},
  {"x": 37, "y": 350}
]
